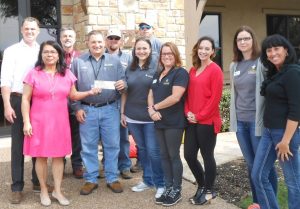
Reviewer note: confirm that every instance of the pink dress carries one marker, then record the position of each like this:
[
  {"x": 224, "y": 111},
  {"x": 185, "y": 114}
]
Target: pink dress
[{"x": 49, "y": 115}]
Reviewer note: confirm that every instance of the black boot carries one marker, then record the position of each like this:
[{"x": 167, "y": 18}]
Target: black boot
[
  {"x": 163, "y": 197},
  {"x": 199, "y": 191},
  {"x": 205, "y": 198}
]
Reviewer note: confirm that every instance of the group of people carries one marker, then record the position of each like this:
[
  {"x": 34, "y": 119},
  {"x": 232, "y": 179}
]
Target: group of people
[{"x": 105, "y": 93}]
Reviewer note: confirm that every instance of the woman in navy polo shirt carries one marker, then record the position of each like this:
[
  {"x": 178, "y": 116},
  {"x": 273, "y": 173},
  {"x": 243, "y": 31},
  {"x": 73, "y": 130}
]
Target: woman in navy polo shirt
[
  {"x": 139, "y": 77},
  {"x": 166, "y": 108}
]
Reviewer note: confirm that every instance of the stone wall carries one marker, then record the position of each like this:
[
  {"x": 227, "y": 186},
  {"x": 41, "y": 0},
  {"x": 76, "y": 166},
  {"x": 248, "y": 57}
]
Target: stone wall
[{"x": 167, "y": 16}]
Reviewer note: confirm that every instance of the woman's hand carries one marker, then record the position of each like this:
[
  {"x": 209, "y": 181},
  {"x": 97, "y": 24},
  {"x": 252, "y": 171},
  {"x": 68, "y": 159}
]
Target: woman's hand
[
  {"x": 155, "y": 116},
  {"x": 27, "y": 129},
  {"x": 123, "y": 120},
  {"x": 94, "y": 91},
  {"x": 191, "y": 117},
  {"x": 283, "y": 151}
]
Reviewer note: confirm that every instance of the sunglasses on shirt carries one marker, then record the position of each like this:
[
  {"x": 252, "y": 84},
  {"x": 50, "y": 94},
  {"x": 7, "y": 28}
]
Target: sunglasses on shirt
[
  {"x": 142, "y": 27},
  {"x": 117, "y": 38}
]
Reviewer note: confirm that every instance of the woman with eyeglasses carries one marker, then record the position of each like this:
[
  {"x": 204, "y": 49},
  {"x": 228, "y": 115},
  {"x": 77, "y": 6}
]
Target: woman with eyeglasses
[
  {"x": 165, "y": 107},
  {"x": 281, "y": 136},
  {"x": 134, "y": 114},
  {"x": 46, "y": 118},
  {"x": 246, "y": 104},
  {"x": 204, "y": 120}
]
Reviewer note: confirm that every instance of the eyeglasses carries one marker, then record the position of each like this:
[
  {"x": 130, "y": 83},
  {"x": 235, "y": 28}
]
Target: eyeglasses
[
  {"x": 167, "y": 54},
  {"x": 243, "y": 39},
  {"x": 142, "y": 27},
  {"x": 117, "y": 38},
  {"x": 49, "y": 52}
]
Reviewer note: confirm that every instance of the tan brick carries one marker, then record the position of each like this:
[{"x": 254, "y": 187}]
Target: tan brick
[
  {"x": 66, "y": 2},
  {"x": 173, "y": 28},
  {"x": 113, "y": 3},
  {"x": 103, "y": 3},
  {"x": 104, "y": 20},
  {"x": 92, "y": 3},
  {"x": 92, "y": 19},
  {"x": 67, "y": 10},
  {"x": 67, "y": 20},
  {"x": 93, "y": 10},
  {"x": 179, "y": 20}
]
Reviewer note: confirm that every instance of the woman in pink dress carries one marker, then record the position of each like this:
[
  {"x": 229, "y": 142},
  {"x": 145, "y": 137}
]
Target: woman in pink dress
[{"x": 45, "y": 113}]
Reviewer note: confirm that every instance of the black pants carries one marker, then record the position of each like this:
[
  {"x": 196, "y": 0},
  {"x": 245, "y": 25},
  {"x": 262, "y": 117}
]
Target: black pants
[
  {"x": 169, "y": 144},
  {"x": 76, "y": 142},
  {"x": 203, "y": 137},
  {"x": 17, "y": 141}
]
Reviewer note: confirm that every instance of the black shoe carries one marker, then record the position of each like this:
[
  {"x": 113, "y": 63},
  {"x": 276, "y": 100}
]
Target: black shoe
[
  {"x": 205, "y": 198},
  {"x": 163, "y": 197},
  {"x": 173, "y": 198},
  {"x": 199, "y": 191}
]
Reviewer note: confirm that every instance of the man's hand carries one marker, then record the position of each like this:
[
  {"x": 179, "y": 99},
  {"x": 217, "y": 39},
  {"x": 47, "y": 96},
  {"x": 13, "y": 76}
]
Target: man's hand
[
  {"x": 120, "y": 85},
  {"x": 80, "y": 115},
  {"x": 9, "y": 113}
]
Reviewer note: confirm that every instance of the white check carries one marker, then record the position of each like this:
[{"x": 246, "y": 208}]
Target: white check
[{"x": 105, "y": 84}]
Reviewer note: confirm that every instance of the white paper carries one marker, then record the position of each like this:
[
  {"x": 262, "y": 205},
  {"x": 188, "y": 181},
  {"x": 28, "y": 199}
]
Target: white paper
[{"x": 104, "y": 84}]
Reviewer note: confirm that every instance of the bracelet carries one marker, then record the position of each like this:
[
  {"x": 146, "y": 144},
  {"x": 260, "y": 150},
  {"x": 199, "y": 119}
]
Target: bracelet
[{"x": 154, "y": 108}]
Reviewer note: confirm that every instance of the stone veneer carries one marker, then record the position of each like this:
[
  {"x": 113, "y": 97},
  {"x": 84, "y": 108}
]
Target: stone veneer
[{"x": 167, "y": 16}]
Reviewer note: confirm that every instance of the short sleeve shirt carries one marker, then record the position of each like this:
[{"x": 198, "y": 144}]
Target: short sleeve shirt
[{"x": 173, "y": 116}]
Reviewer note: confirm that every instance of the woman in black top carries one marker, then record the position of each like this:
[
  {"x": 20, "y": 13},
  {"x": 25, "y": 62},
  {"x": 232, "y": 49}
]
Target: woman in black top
[
  {"x": 165, "y": 103},
  {"x": 281, "y": 137}
]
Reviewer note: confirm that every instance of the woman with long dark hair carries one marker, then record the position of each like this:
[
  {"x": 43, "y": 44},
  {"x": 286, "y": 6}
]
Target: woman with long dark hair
[
  {"x": 202, "y": 112},
  {"x": 281, "y": 136},
  {"x": 134, "y": 114}
]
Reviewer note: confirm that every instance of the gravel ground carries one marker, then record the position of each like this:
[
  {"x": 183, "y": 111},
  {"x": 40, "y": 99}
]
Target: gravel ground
[{"x": 102, "y": 198}]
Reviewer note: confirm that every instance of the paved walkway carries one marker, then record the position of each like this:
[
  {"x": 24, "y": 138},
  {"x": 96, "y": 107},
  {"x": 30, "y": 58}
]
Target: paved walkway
[{"x": 226, "y": 150}]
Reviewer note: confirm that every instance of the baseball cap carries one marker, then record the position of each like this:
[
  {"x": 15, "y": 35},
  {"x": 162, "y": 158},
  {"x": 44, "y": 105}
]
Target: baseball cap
[
  {"x": 114, "y": 32},
  {"x": 146, "y": 22}
]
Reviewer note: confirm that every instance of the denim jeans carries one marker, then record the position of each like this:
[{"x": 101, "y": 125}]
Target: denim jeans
[
  {"x": 124, "y": 163},
  {"x": 263, "y": 163},
  {"x": 149, "y": 153},
  {"x": 102, "y": 122},
  {"x": 248, "y": 143}
]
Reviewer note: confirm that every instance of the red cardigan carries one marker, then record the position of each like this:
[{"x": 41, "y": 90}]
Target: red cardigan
[{"x": 204, "y": 95}]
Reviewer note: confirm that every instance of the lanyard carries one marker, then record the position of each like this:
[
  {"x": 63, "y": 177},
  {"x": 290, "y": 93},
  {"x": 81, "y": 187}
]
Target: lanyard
[
  {"x": 72, "y": 58},
  {"x": 96, "y": 71}
]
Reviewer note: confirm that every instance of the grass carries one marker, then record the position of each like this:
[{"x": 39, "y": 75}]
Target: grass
[{"x": 281, "y": 196}]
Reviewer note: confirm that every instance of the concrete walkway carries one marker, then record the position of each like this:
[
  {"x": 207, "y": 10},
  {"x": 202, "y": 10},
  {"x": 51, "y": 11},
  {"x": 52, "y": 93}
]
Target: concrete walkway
[{"x": 227, "y": 149}]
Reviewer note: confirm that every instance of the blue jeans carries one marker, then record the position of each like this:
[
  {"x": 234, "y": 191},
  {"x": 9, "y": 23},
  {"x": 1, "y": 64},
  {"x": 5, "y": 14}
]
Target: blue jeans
[
  {"x": 248, "y": 143},
  {"x": 124, "y": 163},
  {"x": 102, "y": 122},
  {"x": 149, "y": 153},
  {"x": 263, "y": 163}
]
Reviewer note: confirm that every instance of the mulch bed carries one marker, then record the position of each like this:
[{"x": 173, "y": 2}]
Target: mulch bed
[{"x": 232, "y": 182}]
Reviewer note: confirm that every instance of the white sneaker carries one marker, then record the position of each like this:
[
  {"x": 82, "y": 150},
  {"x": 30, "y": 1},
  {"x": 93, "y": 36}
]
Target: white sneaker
[
  {"x": 159, "y": 192},
  {"x": 140, "y": 187}
]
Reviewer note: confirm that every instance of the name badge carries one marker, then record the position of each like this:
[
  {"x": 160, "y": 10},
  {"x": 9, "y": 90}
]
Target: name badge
[
  {"x": 149, "y": 76},
  {"x": 154, "y": 81},
  {"x": 108, "y": 65},
  {"x": 252, "y": 70},
  {"x": 236, "y": 73}
]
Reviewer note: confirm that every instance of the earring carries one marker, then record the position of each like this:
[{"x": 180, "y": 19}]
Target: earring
[{"x": 287, "y": 54}]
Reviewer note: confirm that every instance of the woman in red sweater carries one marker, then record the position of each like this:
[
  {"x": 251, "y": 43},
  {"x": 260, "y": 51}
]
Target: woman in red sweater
[{"x": 202, "y": 112}]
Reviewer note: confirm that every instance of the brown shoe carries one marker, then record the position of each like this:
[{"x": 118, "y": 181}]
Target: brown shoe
[
  {"x": 16, "y": 197},
  {"x": 115, "y": 186},
  {"x": 87, "y": 188},
  {"x": 37, "y": 188},
  {"x": 126, "y": 175},
  {"x": 78, "y": 173}
]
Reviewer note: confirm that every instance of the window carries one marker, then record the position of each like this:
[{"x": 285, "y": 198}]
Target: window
[
  {"x": 210, "y": 25},
  {"x": 286, "y": 25}
]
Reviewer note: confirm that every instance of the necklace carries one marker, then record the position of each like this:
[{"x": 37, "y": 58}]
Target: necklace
[{"x": 52, "y": 83}]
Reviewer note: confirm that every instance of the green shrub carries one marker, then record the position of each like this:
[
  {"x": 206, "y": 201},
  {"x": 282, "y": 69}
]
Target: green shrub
[{"x": 224, "y": 109}]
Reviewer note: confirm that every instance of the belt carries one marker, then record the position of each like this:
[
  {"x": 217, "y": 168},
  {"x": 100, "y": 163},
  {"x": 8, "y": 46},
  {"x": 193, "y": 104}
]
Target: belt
[
  {"x": 97, "y": 104},
  {"x": 16, "y": 94}
]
